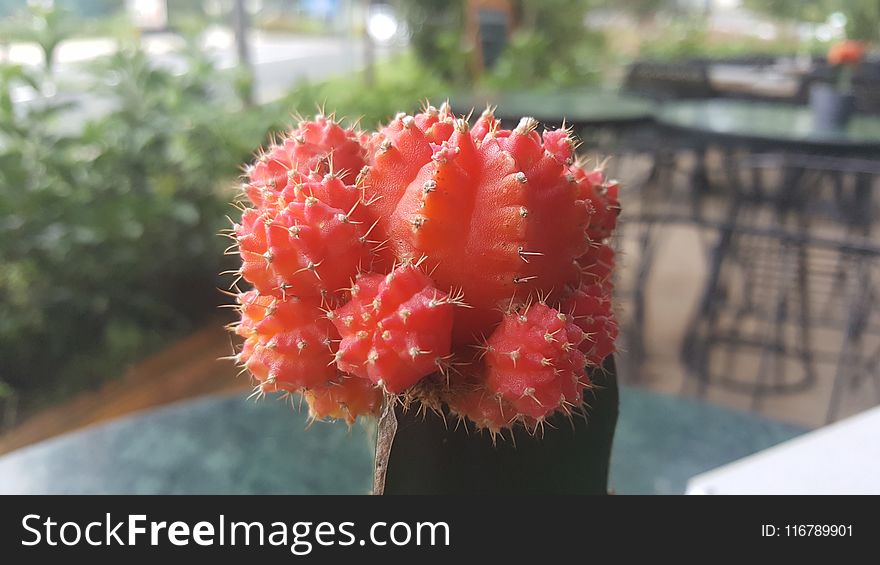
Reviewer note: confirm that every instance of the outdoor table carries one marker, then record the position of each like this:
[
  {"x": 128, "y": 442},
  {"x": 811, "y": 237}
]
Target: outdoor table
[
  {"x": 757, "y": 127},
  {"x": 224, "y": 444},
  {"x": 768, "y": 126},
  {"x": 773, "y": 231}
]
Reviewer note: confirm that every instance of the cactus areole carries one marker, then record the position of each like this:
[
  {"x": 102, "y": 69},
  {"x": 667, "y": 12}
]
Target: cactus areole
[{"x": 436, "y": 265}]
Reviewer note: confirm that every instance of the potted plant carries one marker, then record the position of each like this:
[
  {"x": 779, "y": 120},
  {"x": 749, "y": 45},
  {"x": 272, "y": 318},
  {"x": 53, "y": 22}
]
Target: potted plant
[
  {"x": 832, "y": 102},
  {"x": 455, "y": 277}
]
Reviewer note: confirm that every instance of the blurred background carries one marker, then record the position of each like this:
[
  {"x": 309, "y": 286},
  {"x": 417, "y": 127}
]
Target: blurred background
[{"x": 744, "y": 133}]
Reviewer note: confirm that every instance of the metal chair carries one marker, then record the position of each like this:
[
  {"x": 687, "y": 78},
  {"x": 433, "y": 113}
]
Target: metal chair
[
  {"x": 791, "y": 259},
  {"x": 668, "y": 81}
]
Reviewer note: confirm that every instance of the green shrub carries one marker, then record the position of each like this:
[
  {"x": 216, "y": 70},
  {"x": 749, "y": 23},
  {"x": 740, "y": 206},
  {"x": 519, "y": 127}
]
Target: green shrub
[
  {"x": 532, "y": 61},
  {"x": 550, "y": 47},
  {"x": 108, "y": 239},
  {"x": 436, "y": 35}
]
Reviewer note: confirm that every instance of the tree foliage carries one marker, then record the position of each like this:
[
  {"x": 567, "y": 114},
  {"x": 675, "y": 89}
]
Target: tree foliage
[
  {"x": 549, "y": 45},
  {"x": 436, "y": 30},
  {"x": 863, "y": 16}
]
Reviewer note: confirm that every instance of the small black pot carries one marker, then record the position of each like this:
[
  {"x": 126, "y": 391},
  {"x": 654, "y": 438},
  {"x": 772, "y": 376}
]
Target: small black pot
[
  {"x": 831, "y": 109},
  {"x": 424, "y": 455}
]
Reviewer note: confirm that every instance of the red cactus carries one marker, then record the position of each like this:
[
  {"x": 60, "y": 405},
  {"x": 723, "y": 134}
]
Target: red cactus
[
  {"x": 343, "y": 399},
  {"x": 497, "y": 216},
  {"x": 442, "y": 228},
  {"x": 307, "y": 247},
  {"x": 597, "y": 265},
  {"x": 321, "y": 146},
  {"x": 533, "y": 361},
  {"x": 590, "y": 308},
  {"x": 488, "y": 410},
  {"x": 600, "y": 197},
  {"x": 287, "y": 342},
  {"x": 395, "y": 329}
]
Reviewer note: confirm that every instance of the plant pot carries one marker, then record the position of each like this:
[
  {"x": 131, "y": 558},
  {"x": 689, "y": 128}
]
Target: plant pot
[
  {"x": 830, "y": 108},
  {"x": 427, "y": 454}
]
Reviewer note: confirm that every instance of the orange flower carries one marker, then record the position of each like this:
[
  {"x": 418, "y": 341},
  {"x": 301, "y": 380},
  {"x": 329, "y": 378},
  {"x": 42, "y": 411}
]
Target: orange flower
[{"x": 847, "y": 52}]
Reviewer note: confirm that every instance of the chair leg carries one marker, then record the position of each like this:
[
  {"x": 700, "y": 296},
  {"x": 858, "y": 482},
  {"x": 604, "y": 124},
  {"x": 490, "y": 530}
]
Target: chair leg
[
  {"x": 694, "y": 352},
  {"x": 774, "y": 348},
  {"x": 847, "y": 361},
  {"x": 636, "y": 343},
  {"x": 805, "y": 317}
]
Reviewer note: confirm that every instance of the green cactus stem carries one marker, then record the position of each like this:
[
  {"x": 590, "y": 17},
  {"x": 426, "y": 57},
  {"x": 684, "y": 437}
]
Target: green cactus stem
[{"x": 425, "y": 454}]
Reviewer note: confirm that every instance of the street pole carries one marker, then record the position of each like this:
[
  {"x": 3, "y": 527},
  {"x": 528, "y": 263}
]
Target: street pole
[
  {"x": 369, "y": 48},
  {"x": 240, "y": 26}
]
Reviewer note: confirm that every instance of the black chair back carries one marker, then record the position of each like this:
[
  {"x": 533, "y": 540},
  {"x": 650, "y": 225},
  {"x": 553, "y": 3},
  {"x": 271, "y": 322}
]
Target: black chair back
[{"x": 669, "y": 80}]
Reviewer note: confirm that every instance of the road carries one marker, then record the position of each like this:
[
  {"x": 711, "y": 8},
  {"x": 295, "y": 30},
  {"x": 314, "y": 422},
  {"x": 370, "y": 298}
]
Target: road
[{"x": 279, "y": 62}]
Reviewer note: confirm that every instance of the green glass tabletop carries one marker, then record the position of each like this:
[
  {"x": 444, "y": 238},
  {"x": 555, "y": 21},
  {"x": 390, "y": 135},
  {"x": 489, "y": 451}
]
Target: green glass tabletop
[
  {"x": 226, "y": 445},
  {"x": 578, "y": 107},
  {"x": 765, "y": 121}
]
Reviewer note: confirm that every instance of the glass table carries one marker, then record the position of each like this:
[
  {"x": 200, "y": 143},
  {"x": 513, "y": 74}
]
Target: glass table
[
  {"x": 224, "y": 444},
  {"x": 769, "y": 126}
]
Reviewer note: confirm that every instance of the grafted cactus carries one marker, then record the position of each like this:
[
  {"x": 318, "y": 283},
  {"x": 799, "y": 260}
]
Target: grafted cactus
[{"x": 460, "y": 268}]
